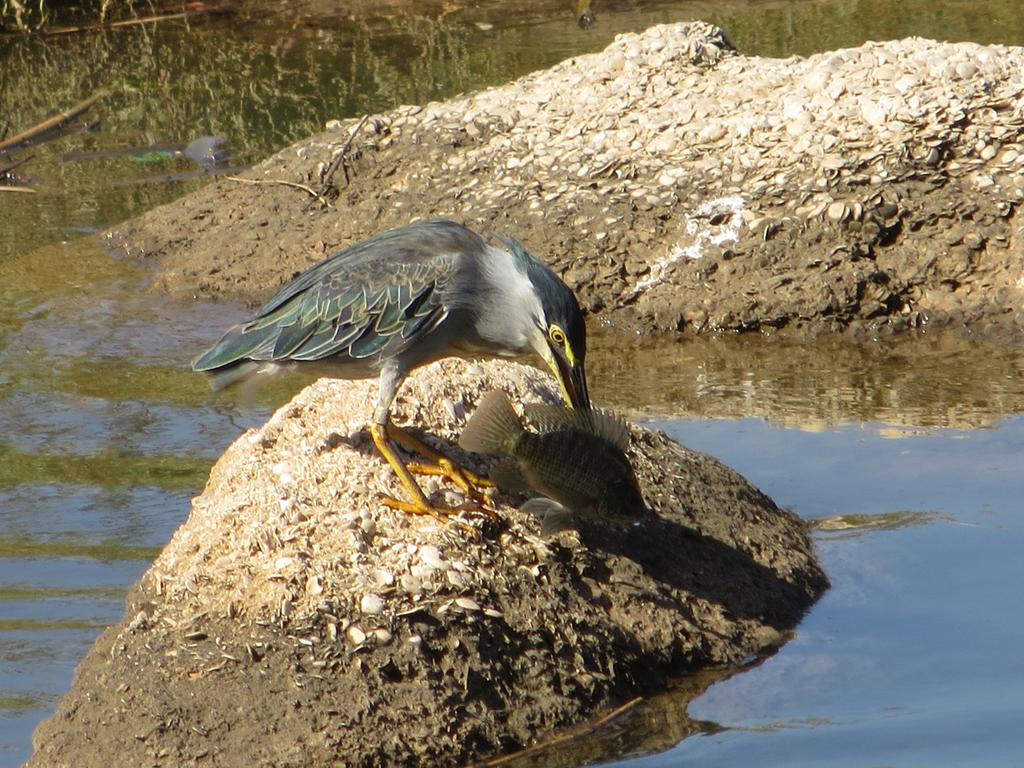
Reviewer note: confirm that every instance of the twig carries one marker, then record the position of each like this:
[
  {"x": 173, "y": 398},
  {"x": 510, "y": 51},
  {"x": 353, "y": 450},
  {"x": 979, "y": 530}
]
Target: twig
[
  {"x": 328, "y": 176},
  {"x": 6, "y": 170},
  {"x": 572, "y": 735},
  {"x": 118, "y": 24},
  {"x": 54, "y": 122},
  {"x": 27, "y": 190},
  {"x": 312, "y": 192}
]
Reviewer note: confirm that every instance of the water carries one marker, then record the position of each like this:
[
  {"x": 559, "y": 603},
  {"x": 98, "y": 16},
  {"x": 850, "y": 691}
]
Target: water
[
  {"x": 909, "y": 660},
  {"x": 105, "y": 440},
  {"x": 912, "y": 658}
]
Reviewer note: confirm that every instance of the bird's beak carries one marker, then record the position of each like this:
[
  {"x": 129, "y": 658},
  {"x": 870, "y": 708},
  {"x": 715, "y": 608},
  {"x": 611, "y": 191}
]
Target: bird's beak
[{"x": 573, "y": 379}]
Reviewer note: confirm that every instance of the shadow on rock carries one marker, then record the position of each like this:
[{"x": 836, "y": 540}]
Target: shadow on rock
[{"x": 683, "y": 559}]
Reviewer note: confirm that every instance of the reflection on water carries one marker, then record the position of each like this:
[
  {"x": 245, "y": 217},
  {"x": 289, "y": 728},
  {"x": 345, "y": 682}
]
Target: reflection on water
[
  {"x": 639, "y": 727},
  {"x": 12, "y": 594},
  {"x": 106, "y": 550},
  {"x": 15, "y": 703},
  {"x": 925, "y": 381},
  {"x": 855, "y": 525},
  {"x": 105, "y": 439}
]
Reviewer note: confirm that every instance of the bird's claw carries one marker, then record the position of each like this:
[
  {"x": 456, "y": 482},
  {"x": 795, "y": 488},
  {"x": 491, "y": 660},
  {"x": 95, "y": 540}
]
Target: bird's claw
[
  {"x": 439, "y": 466},
  {"x": 466, "y": 481},
  {"x": 441, "y": 514},
  {"x": 471, "y": 478}
]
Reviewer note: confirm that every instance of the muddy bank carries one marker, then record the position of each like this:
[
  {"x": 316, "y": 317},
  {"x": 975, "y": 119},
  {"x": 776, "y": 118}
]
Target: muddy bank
[
  {"x": 294, "y": 620},
  {"x": 674, "y": 183}
]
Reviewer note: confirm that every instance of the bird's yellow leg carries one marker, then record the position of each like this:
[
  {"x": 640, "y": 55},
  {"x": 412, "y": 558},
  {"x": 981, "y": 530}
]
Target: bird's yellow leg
[
  {"x": 468, "y": 481},
  {"x": 419, "y": 504}
]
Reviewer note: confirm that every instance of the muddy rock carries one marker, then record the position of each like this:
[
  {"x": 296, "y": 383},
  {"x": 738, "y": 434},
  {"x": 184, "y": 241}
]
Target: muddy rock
[
  {"x": 296, "y": 620},
  {"x": 675, "y": 184}
]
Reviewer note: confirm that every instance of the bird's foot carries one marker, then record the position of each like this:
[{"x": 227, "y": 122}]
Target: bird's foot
[
  {"x": 440, "y": 465},
  {"x": 420, "y": 505},
  {"x": 441, "y": 514},
  {"x": 469, "y": 483}
]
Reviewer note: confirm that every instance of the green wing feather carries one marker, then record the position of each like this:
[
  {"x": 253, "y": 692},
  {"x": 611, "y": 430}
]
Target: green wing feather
[
  {"x": 373, "y": 298},
  {"x": 352, "y": 313},
  {"x": 243, "y": 342}
]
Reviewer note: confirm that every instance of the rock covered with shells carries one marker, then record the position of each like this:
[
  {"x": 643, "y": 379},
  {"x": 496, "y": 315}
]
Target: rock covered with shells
[
  {"x": 294, "y": 615},
  {"x": 677, "y": 184}
]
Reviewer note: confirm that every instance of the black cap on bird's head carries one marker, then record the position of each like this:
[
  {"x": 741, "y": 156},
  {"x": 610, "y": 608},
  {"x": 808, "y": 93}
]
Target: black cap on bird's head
[{"x": 565, "y": 333}]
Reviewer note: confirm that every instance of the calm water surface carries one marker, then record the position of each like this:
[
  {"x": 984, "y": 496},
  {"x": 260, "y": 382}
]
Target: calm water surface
[
  {"x": 910, "y": 451},
  {"x": 912, "y": 659}
]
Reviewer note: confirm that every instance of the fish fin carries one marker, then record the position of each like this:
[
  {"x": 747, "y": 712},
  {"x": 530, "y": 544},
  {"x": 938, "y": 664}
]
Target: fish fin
[
  {"x": 550, "y": 418},
  {"x": 509, "y": 477},
  {"x": 540, "y": 506},
  {"x": 493, "y": 427},
  {"x": 554, "y": 517},
  {"x": 612, "y": 428}
]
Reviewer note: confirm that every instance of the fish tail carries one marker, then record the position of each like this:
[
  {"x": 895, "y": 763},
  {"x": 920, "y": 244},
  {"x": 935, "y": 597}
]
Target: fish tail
[{"x": 495, "y": 426}]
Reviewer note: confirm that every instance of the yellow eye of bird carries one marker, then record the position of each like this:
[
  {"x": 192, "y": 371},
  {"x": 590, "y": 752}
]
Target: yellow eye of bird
[{"x": 557, "y": 335}]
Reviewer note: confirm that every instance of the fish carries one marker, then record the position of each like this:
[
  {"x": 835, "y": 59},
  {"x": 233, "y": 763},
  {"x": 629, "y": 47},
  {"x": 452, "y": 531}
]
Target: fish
[{"x": 576, "y": 460}]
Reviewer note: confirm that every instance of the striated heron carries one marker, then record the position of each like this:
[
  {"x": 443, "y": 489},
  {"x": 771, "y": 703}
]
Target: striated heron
[{"x": 402, "y": 299}]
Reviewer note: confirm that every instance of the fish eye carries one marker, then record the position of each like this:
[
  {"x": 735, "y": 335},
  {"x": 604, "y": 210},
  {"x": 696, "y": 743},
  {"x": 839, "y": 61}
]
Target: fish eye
[{"x": 557, "y": 335}]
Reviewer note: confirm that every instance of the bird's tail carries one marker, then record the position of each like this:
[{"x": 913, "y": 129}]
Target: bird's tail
[
  {"x": 494, "y": 428},
  {"x": 235, "y": 373},
  {"x": 231, "y": 359}
]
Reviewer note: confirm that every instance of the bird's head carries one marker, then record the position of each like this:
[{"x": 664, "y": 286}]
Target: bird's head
[
  {"x": 519, "y": 305},
  {"x": 560, "y": 335}
]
